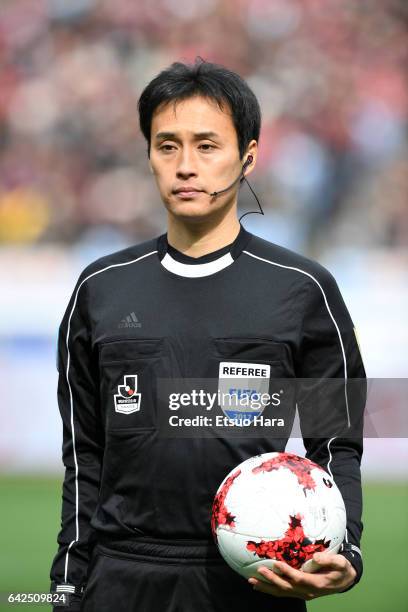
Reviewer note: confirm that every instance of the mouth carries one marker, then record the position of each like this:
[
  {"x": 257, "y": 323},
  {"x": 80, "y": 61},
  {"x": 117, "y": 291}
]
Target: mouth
[{"x": 187, "y": 193}]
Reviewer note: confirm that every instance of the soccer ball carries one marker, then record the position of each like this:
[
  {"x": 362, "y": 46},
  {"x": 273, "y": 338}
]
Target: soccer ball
[{"x": 277, "y": 506}]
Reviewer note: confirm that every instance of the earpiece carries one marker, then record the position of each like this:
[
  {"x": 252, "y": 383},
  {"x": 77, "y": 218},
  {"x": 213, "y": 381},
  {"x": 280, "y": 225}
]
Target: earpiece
[{"x": 248, "y": 161}]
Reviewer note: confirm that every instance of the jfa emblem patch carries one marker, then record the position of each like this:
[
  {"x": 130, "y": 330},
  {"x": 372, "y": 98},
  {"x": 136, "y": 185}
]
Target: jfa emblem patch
[
  {"x": 244, "y": 384},
  {"x": 127, "y": 400}
]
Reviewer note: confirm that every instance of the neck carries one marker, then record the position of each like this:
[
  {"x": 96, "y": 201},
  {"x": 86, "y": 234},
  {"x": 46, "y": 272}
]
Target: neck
[{"x": 197, "y": 239}]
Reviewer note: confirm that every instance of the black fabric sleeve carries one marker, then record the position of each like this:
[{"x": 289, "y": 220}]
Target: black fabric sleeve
[
  {"x": 331, "y": 399},
  {"x": 356, "y": 561},
  {"x": 82, "y": 447}
]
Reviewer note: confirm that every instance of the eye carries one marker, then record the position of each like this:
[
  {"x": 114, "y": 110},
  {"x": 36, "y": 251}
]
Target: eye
[
  {"x": 206, "y": 144},
  {"x": 163, "y": 148}
]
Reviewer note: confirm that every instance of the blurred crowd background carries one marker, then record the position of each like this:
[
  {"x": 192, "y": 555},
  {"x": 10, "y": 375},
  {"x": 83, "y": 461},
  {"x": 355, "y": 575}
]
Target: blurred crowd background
[
  {"x": 331, "y": 79},
  {"x": 330, "y": 76}
]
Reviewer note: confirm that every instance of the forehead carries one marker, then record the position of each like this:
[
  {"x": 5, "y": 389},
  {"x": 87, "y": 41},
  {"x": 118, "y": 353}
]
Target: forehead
[{"x": 192, "y": 116}]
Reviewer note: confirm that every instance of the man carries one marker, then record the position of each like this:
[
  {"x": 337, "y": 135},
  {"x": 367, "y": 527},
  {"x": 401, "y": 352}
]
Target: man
[{"x": 136, "y": 504}]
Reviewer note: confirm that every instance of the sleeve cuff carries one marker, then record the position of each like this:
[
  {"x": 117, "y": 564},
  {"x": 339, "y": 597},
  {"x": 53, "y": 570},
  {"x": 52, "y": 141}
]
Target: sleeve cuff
[
  {"x": 65, "y": 587},
  {"x": 75, "y": 596},
  {"x": 356, "y": 561}
]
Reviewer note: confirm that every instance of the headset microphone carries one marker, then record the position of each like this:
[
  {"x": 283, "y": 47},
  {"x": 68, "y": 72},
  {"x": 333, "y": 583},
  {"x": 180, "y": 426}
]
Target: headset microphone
[
  {"x": 248, "y": 161},
  {"x": 242, "y": 177}
]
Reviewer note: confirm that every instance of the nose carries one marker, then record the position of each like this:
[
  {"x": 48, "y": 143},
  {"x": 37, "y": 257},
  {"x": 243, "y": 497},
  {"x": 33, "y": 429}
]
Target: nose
[{"x": 186, "y": 165}]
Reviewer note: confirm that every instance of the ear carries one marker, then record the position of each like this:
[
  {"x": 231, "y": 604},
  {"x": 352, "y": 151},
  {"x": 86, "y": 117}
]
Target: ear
[{"x": 251, "y": 150}]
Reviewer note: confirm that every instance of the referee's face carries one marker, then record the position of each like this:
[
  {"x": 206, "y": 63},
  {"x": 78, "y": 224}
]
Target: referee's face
[{"x": 194, "y": 145}]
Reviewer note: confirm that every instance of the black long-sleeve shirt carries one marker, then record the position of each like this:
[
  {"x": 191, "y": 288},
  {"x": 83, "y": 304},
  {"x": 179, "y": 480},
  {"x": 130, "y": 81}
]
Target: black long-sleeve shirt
[{"x": 151, "y": 312}]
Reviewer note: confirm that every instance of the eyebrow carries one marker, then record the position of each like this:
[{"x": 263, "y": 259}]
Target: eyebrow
[{"x": 197, "y": 135}]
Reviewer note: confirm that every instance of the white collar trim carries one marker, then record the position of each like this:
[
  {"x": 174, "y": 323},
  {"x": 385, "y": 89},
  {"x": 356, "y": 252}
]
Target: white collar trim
[{"x": 195, "y": 270}]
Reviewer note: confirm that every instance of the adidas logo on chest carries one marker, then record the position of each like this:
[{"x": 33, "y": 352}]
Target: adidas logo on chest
[{"x": 130, "y": 320}]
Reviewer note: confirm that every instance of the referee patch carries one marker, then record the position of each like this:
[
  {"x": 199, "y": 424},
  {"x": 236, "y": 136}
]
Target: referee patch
[{"x": 238, "y": 384}]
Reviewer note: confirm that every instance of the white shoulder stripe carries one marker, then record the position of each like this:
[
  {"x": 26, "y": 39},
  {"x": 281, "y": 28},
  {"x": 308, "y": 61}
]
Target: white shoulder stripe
[{"x": 127, "y": 263}]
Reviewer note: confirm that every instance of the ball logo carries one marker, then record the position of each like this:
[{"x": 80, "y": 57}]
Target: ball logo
[
  {"x": 127, "y": 400},
  {"x": 328, "y": 483}
]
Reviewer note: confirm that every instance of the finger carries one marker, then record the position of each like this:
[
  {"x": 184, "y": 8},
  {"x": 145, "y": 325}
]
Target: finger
[
  {"x": 270, "y": 589},
  {"x": 338, "y": 562},
  {"x": 273, "y": 577},
  {"x": 310, "y": 596},
  {"x": 286, "y": 587},
  {"x": 288, "y": 572},
  {"x": 260, "y": 585},
  {"x": 303, "y": 580}
]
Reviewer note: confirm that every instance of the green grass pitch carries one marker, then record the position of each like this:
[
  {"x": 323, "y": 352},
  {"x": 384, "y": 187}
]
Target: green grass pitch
[{"x": 29, "y": 518}]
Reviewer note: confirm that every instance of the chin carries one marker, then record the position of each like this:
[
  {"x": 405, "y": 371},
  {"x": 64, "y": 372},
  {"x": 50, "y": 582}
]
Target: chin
[{"x": 190, "y": 210}]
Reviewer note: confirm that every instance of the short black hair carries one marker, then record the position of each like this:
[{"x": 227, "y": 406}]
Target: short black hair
[{"x": 181, "y": 81}]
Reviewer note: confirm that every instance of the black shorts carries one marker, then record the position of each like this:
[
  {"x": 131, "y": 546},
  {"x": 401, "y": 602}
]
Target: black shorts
[{"x": 153, "y": 575}]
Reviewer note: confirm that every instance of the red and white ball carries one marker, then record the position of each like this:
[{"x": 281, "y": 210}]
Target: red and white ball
[{"x": 277, "y": 506}]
